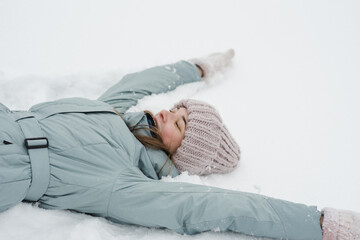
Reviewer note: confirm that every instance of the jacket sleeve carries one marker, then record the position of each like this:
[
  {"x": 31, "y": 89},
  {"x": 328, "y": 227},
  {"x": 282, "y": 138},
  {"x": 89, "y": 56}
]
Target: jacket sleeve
[
  {"x": 190, "y": 209},
  {"x": 161, "y": 79}
]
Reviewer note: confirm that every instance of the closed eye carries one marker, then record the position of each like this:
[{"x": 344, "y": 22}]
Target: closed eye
[
  {"x": 185, "y": 123},
  {"x": 177, "y": 125}
]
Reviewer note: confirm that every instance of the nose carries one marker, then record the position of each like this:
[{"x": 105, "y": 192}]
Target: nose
[{"x": 167, "y": 115}]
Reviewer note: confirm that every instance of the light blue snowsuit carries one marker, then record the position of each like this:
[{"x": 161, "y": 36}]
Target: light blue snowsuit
[{"x": 94, "y": 164}]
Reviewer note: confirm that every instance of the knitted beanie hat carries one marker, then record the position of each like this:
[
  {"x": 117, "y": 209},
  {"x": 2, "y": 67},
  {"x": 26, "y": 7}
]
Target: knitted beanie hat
[{"x": 207, "y": 146}]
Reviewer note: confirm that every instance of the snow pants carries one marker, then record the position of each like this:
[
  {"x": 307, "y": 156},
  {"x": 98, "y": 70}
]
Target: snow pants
[{"x": 87, "y": 174}]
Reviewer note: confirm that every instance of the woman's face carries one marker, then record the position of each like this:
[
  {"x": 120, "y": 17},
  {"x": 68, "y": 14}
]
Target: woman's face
[{"x": 172, "y": 126}]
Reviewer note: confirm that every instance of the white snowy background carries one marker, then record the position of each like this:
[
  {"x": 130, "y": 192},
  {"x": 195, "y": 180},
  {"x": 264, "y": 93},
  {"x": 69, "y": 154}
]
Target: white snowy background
[{"x": 291, "y": 97}]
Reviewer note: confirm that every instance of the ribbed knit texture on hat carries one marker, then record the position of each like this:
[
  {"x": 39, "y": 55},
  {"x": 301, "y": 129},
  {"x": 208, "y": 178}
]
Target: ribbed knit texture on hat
[
  {"x": 208, "y": 146},
  {"x": 341, "y": 225}
]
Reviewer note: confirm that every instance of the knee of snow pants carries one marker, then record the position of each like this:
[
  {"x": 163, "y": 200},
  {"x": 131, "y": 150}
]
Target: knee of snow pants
[{"x": 190, "y": 209}]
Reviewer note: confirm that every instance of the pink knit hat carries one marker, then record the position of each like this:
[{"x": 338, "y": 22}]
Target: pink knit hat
[{"x": 208, "y": 146}]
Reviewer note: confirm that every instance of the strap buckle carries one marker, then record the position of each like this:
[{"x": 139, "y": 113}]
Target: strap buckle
[{"x": 34, "y": 143}]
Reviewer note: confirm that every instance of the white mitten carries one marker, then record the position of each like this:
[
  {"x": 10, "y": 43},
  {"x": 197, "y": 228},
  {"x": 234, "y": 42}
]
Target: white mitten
[
  {"x": 214, "y": 62},
  {"x": 341, "y": 225}
]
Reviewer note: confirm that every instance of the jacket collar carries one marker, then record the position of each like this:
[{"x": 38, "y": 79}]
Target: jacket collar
[{"x": 140, "y": 118}]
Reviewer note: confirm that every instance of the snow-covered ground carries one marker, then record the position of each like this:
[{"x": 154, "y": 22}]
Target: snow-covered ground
[{"x": 291, "y": 98}]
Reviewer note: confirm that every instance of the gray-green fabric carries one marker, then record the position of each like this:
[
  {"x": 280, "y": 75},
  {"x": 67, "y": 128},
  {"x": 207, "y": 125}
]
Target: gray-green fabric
[{"x": 98, "y": 167}]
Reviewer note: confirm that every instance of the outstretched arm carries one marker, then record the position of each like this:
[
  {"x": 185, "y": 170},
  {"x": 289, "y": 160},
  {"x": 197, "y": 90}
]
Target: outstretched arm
[
  {"x": 161, "y": 79},
  {"x": 190, "y": 209},
  {"x": 133, "y": 87}
]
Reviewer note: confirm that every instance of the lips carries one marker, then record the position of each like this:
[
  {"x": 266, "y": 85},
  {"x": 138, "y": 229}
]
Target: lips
[{"x": 156, "y": 120}]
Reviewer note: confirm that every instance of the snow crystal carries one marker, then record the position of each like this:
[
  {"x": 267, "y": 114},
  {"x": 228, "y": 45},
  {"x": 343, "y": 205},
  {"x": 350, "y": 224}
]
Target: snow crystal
[
  {"x": 258, "y": 188},
  {"x": 217, "y": 229}
]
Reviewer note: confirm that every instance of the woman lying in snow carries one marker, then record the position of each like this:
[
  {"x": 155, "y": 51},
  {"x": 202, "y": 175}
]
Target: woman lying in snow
[{"x": 92, "y": 156}]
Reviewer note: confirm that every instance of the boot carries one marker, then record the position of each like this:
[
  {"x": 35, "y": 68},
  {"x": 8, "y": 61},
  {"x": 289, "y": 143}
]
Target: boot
[
  {"x": 214, "y": 62},
  {"x": 341, "y": 225}
]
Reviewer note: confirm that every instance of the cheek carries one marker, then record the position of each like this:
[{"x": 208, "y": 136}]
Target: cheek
[
  {"x": 170, "y": 137},
  {"x": 166, "y": 135}
]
